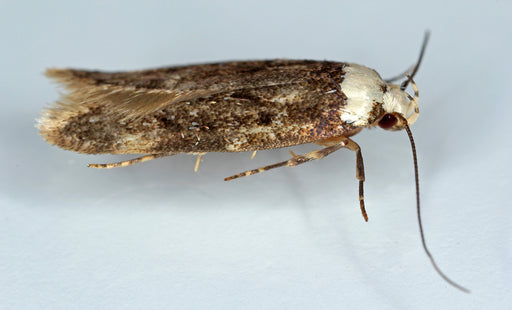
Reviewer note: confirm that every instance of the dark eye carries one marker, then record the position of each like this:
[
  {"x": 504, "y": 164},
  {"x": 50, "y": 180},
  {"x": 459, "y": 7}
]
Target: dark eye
[{"x": 388, "y": 121}]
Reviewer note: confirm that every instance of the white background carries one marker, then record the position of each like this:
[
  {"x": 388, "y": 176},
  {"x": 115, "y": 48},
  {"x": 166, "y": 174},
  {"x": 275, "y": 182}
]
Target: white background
[{"x": 159, "y": 236}]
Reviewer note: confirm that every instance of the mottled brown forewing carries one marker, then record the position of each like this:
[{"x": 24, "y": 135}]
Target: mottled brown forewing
[{"x": 224, "y": 107}]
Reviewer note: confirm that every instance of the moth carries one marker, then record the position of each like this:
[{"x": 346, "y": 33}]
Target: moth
[{"x": 230, "y": 107}]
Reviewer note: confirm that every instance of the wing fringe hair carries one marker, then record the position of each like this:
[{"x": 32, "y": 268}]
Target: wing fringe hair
[
  {"x": 127, "y": 101},
  {"x": 123, "y": 103}
]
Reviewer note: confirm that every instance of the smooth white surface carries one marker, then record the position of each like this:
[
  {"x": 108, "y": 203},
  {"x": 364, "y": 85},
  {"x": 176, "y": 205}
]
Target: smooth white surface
[{"x": 158, "y": 236}]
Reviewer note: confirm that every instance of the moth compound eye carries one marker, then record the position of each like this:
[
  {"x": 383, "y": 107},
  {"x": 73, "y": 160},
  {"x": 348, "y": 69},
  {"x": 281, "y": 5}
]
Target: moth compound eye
[{"x": 387, "y": 121}]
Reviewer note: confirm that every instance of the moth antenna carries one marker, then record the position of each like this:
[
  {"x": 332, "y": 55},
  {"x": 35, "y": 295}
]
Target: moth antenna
[
  {"x": 416, "y": 179},
  {"x": 400, "y": 76},
  {"x": 426, "y": 37}
]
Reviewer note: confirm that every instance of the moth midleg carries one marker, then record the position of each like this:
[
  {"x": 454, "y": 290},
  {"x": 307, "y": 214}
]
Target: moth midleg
[
  {"x": 253, "y": 154},
  {"x": 129, "y": 162},
  {"x": 198, "y": 161},
  {"x": 351, "y": 145},
  {"x": 296, "y": 160}
]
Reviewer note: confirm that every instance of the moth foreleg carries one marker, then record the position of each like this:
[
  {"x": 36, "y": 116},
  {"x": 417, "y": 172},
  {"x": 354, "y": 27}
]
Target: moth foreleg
[
  {"x": 351, "y": 145},
  {"x": 296, "y": 160},
  {"x": 128, "y": 162}
]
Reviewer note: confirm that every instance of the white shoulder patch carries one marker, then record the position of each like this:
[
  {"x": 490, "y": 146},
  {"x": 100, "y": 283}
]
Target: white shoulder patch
[{"x": 362, "y": 86}]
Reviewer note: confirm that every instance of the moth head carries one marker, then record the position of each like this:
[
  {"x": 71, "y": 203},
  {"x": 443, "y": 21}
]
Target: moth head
[{"x": 399, "y": 107}]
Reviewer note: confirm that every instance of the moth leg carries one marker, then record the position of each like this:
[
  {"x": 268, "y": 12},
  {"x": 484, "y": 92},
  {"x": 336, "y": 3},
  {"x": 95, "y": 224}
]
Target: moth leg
[
  {"x": 253, "y": 154},
  {"x": 332, "y": 145},
  {"x": 351, "y": 145},
  {"x": 198, "y": 161},
  {"x": 296, "y": 160},
  {"x": 128, "y": 162}
]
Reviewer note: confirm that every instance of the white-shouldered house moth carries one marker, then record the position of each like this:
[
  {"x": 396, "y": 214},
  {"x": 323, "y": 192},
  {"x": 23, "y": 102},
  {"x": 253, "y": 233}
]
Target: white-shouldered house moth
[{"x": 230, "y": 107}]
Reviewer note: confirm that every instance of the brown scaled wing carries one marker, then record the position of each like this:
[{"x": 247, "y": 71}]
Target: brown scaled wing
[{"x": 224, "y": 107}]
